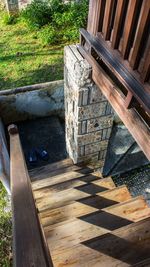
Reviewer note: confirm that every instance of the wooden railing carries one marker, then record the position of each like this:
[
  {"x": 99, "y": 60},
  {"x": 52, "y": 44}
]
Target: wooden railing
[
  {"x": 125, "y": 25},
  {"x": 29, "y": 246},
  {"x": 117, "y": 45}
]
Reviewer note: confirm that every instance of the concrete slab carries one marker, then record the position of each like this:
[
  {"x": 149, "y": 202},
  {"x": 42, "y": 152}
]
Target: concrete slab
[{"x": 47, "y": 133}]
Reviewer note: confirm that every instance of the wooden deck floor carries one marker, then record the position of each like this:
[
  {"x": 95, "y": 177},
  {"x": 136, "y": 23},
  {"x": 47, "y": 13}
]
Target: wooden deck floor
[{"x": 87, "y": 221}]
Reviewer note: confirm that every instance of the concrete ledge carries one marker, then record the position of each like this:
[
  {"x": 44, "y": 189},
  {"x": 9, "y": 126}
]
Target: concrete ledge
[
  {"x": 32, "y": 101},
  {"x": 4, "y": 160}
]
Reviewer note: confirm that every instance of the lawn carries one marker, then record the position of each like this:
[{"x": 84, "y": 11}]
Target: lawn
[{"x": 24, "y": 60}]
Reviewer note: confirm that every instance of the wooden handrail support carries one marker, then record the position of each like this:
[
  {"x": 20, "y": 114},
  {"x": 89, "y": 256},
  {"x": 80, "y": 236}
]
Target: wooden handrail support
[{"x": 29, "y": 247}]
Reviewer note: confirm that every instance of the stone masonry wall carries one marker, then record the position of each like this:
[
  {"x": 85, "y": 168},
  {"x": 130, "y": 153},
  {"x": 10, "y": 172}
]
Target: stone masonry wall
[
  {"x": 12, "y": 6},
  {"x": 89, "y": 116}
]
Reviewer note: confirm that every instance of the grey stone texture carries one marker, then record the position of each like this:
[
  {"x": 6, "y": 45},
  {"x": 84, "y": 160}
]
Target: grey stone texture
[
  {"x": 89, "y": 116},
  {"x": 13, "y": 6}
]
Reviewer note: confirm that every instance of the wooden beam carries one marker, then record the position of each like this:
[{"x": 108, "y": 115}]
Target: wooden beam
[
  {"x": 29, "y": 247},
  {"x": 142, "y": 24},
  {"x": 130, "y": 118},
  {"x": 95, "y": 17},
  {"x": 129, "y": 26}
]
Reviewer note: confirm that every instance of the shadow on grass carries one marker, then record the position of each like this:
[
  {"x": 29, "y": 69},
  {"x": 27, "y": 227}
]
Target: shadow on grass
[
  {"x": 22, "y": 54},
  {"x": 46, "y": 73}
]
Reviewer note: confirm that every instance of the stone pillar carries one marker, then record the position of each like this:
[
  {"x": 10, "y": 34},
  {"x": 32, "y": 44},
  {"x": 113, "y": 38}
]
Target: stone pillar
[
  {"x": 89, "y": 116},
  {"x": 12, "y": 6}
]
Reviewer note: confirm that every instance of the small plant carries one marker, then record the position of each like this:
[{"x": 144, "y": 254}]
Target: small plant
[
  {"x": 48, "y": 35},
  {"x": 37, "y": 14},
  {"x": 9, "y": 19}
]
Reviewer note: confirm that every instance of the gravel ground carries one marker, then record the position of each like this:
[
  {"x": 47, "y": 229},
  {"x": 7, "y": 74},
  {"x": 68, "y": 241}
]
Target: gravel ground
[{"x": 137, "y": 181}]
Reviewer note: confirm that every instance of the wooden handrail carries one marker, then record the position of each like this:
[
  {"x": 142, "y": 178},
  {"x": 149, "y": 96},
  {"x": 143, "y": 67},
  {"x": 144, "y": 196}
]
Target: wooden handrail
[{"x": 29, "y": 247}]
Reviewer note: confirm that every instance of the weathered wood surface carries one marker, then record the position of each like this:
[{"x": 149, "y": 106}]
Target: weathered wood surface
[
  {"x": 52, "y": 169},
  {"x": 108, "y": 16},
  {"x": 67, "y": 196},
  {"x": 118, "y": 22},
  {"x": 85, "y": 206},
  {"x": 130, "y": 118},
  {"x": 118, "y": 69},
  {"x": 65, "y": 185},
  {"x": 28, "y": 243},
  {"x": 129, "y": 26},
  {"x": 123, "y": 247},
  {"x": 96, "y": 13},
  {"x": 95, "y": 224},
  {"x": 58, "y": 178},
  {"x": 144, "y": 20},
  {"x": 78, "y": 219},
  {"x": 125, "y": 24}
]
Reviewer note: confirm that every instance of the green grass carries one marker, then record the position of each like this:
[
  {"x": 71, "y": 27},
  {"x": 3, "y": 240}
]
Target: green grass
[
  {"x": 23, "y": 58},
  {"x": 5, "y": 229}
]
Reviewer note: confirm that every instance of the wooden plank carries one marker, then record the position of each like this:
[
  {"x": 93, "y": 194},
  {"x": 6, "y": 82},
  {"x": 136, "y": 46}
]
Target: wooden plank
[
  {"x": 29, "y": 247},
  {"x": 142, "y": 23},
  {"x": 45, "y": 192},
  {"x": 107, "y": 19},
  {"x": 118, "y": 23},
  {"x": 70, "y": 234},
  {"x": 130, "y": 118},
  {"x": 67, "y": 196},
  {"x": 56, "y": 167},
  {"x": 129, "y": 26},
  {"x": 60, "y": 178},
  {"x": 123, "y": 247},
  {"x": 85, "y": 206},
  {"x": 95, "y": 17}
]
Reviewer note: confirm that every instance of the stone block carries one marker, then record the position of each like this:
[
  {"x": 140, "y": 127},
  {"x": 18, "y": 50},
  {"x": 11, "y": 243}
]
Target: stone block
[
  {"x": 89, "y": 138},
  {"x": 96, "y": 95},
  {"x": 99, "y": 123},
  {"x": 95, "y": 147},
  {"x": 90, "y": 111}
]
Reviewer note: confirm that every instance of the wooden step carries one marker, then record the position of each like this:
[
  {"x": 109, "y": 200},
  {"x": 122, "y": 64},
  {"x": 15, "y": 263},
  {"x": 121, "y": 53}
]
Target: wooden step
[
  {"x": 37, "y": 173},
  {"x": 85, "y": 206},
  {"x": 72, "y": 233},
  {"x": 46, "y": 192},
  {"x": 124, "y": 247},
  {"x": 66, "y": 197},
  {"x": 62, "y": 177}
]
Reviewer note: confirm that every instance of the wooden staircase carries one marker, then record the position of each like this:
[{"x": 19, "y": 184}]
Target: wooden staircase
[{"x": 87, "y": 220}]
